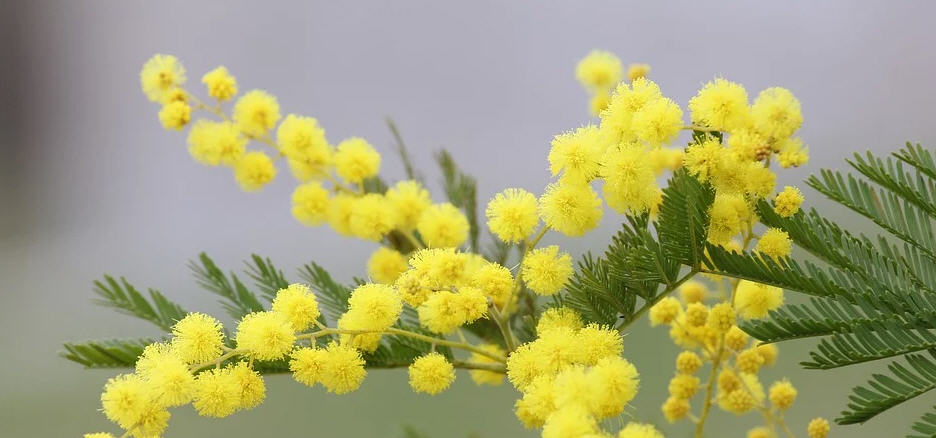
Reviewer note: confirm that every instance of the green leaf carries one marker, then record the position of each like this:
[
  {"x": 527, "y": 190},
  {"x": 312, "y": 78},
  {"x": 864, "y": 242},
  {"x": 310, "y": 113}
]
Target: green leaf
[
  {"x": 400, "y": 146},
  {"x": 121, "y": 295},
  {"x": 268, "y": 279},
  {"x": 117, "y": 353},
  {"x": 461, "y": 190},
  {"x": 237, "y": 300}
]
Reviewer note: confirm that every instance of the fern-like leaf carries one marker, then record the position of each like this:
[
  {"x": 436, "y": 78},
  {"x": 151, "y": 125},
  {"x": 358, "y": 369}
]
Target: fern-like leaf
[{"x": 124, "y": 297}]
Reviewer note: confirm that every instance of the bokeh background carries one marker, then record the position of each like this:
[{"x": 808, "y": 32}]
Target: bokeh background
[{"x": 91, "y": 184}]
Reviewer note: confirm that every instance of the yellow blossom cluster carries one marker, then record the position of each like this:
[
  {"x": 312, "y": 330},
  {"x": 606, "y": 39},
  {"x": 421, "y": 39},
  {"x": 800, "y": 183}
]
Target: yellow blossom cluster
[
  {"x": 710, "y": 336},
  {"x": 571, "y": 376}
]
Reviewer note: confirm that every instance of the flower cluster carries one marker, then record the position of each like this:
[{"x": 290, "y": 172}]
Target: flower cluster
[{"x": 571, "y": 375}]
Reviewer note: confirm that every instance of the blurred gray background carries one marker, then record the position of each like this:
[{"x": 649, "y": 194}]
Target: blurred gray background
[{"x": 91, "y": 184}]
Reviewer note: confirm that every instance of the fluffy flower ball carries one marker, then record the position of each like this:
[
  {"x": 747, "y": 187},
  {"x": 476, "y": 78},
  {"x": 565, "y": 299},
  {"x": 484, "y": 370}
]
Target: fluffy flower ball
[
  {"x": 720, "y": 104},
  {"x": 356, "y": 160},
  {"x": 818, "y": 428},
  {"x": 775, "y": 243},
  {"x": 443, "y": 226},
  {"x": 788, "y": 201},
  {"x": 385, "y": 265},
  {"x": 410, "y": 199},
  {"x": 297, "y": 303},
  {"x": 256, "y": 113},
  {"x": 511, "y": 215},
  {"x": 220, "y": 84},
  {"x": 160, "y": 75},
  {"x": 577, "y": 155},
  {"x": 265, "y": 335},
  {"x": 599, "y": 70},
  {"x": 545, "y": 271},
  {"x": 310, "y": 203},
  {"x": 431, "y": 374},
  {"x": 754, "y": 300},
  {"x": 570, "y": 209},
  {"x": 197, "y": 338},
  {"x": 638, "y": 430},
  {"x": 253, "y": 171},
  {"x": 214, "y": 143}
]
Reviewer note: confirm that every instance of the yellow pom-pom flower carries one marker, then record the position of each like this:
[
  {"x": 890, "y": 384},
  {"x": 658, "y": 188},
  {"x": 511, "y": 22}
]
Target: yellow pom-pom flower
[
  {"x": 692, "y": 292},
  {"x": 256, "y": 113},
  {"x": 721, "y": 317},
  {"x": 776, "y": 113},
  {"x": 696, "y": 314},
  {"x": 220, "y": 84},
  {"x": 576, "y": 154},
  {"x": 127, "y": 401},
  {"x": 675, "y": 408},
  {"x": 197, "y": 338},
  {"x": 748, "y": 361},
  {"x": 175, "y": 115},
  {"x": 431, "y": 374},
  {"x": 265, "y": 335},
  {"x": 169, "y": 380},
  {"x": 665, "y": 311},
  {"x": 339, "y": 213},
  {"x": 782, "y": 394},
  {"x": 303, "y": 142},
  {"x": 356, "y": 160},
  {"x": 658, "y": 122},
  {"x": 342, "y": 369},
  {"x": 385, "y": 265},
  {"x": 217, "y": 393},
  {"x": 617, "y": 120},
  {"x": 214, "y": 143},
  {"x": 253, "y": 171},
  {"x": 688, "y": 362},
  {"x": 558, "y": 317},
  {"x": 760, "y": 432},
  {"x": 721, "y": 105},
  {"x": 768, "y": 352},
  {"x": 250, "y": 384},
  {"x": 818, "y": 428},
  {"x": 568, "y": 422},
  {"x": 611, "y": 384},
  {"x": 297, "y": 303},
  {"x": 379, "y": 303},
  {"x": 793, "y": 153},
  {"x": 372, "y": 217},
  {"x": 725, "y": 221},
  {"x": 775, "y": 243},
  {"x": 788, "y": 201},
  {"x": 496, "y": 282},
  {"x": 545, "y": 271},
  {"x": 599, "y": 70},
  {"x": 410, "y": 199},
  {"x": 736, "y": 339},
  {"x": 630, "y": 183},
  {"x": 570, "y": 209},
  {"x": 638, "y": 430},
  {"x": 310, "y": 203},
  {"x": 754, "y": 300},
  {"x": 598, "y": 342},
  {"x": 702, "y": 159},
  {"x": 307, "y": 365},
  {"x": 683, "y": 386},
  {"x": 637, "y": 71},
  {"x": 511, "y": 215},
  {"x": 160, "y": 75},
  {"x": 599, "y": 102},
  {"x": 99, "y": 435},
  {"x": 443, "y": 226}
]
